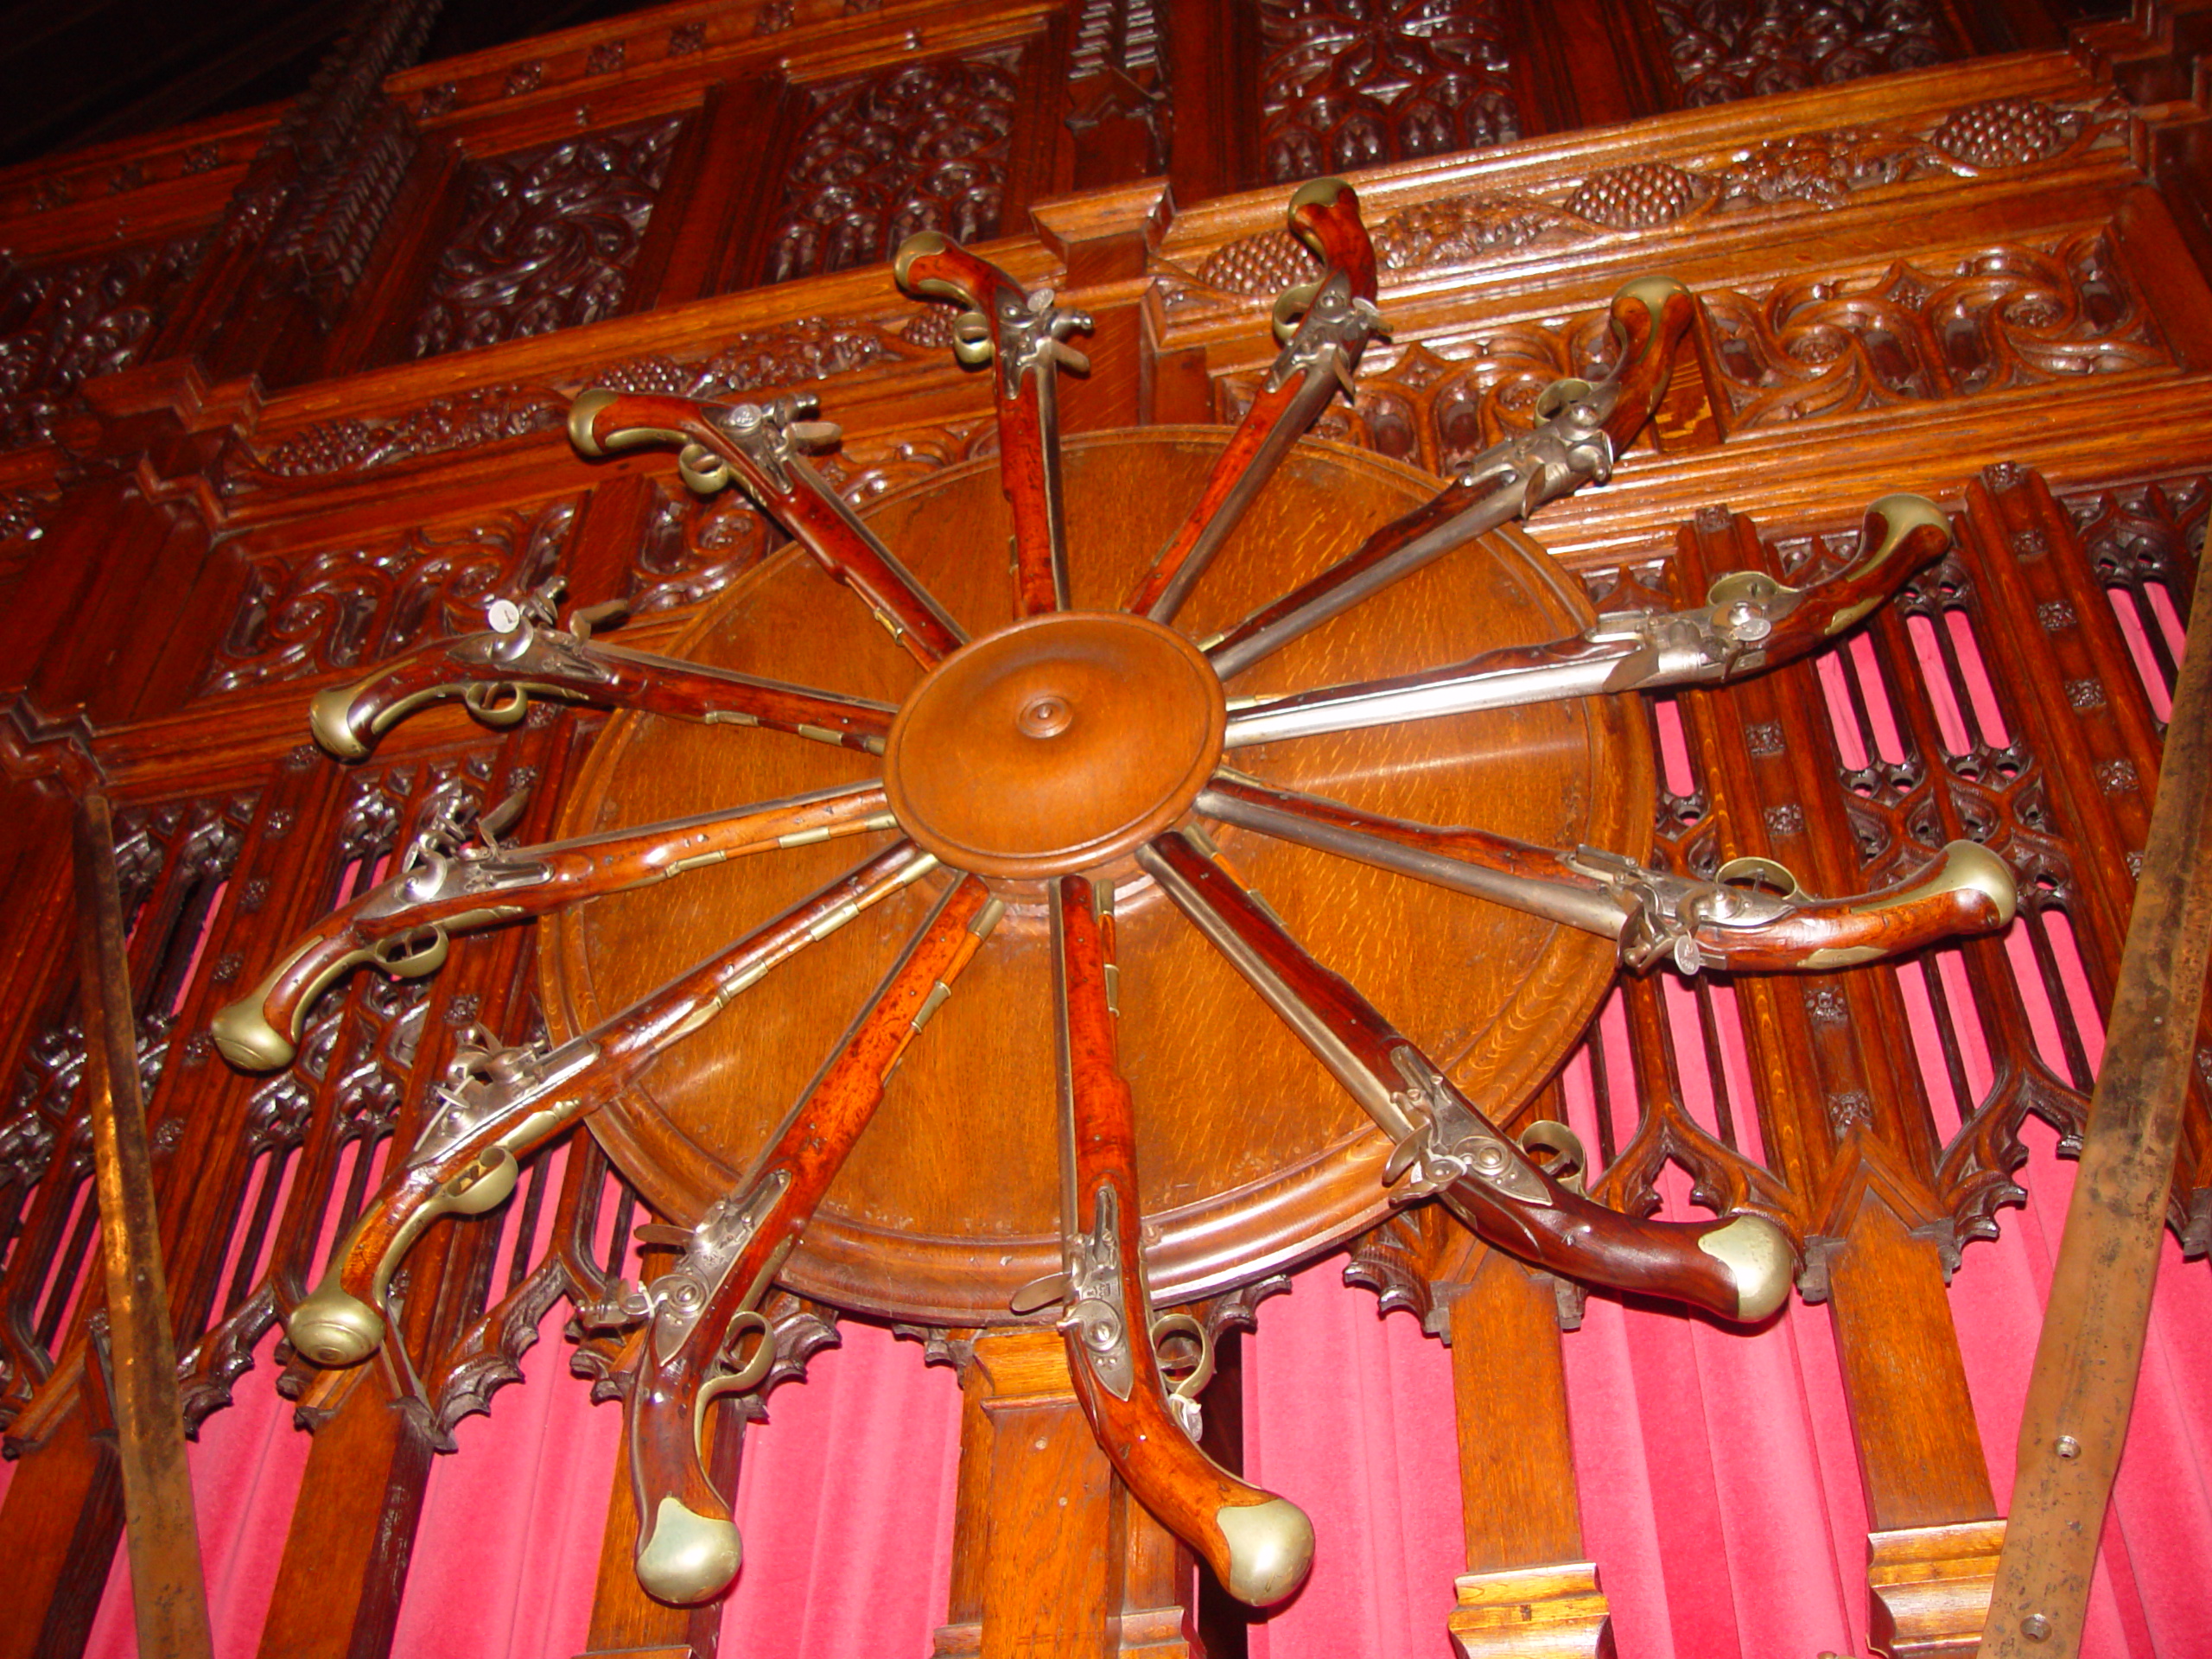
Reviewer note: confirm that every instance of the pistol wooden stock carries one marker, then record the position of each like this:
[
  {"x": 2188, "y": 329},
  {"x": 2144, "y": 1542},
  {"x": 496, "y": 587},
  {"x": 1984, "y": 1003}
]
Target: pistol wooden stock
[
  {"x": 1338, "y": 318},
  {"x": 1899, "y": 534},
  {"x": 1651, "y": 318},
  {"x": 1324, "y": 216},
  {"x": 1511, "y": 481},
  {"x": 501, "y": 1107},
  {"x": 754, "y": 443},
  {"x": 1024, "y": 339},
  {"x": 496, "y": 675},
  {"x": 1739, "y": 1268},
  {"x": 688, "y": 1546},
  {"x": 1259, "y": 1545},
  {"x": 405, "y": 925},
  {"x": 1656, "y": 916}
]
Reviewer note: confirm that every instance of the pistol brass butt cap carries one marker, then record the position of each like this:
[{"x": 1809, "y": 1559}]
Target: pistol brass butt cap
[
  {"x": 330, "y": 717},
  {"x": 919, "y": 246},
  {"x": 1970, "y": 864},
  {"x": 333, "y": 1329},
  {"x": 248, "y": 1041},
  {"x": 1317, "y": 192},
  {"x": 1759, "y": 1260},
  {"x": 686, "y": 1558},
  {"x": 1654, "y": 291},
  {"x": 582, "y": 414},
  {"x": 1904, "y": 512},
  {"x": 1270, "y": 1549}
]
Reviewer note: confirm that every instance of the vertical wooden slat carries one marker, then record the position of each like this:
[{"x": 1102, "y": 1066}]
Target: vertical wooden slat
[
  {"x": 2082, "y": 1387},
  {"x": 168, "y": 1594}
]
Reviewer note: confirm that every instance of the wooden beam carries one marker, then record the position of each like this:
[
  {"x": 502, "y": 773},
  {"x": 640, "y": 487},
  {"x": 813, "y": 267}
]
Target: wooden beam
[{"x": 167, "y": 1590}]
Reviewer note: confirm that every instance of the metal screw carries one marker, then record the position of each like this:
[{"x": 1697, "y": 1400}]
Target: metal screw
[
  {"x": 2068, "y": 1447},
  {"x": 1489, "y": 1158},
  {"x": 2036, "y": 1627}
]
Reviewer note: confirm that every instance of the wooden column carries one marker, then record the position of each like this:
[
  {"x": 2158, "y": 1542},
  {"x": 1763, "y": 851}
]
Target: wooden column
[
  {"x": 1527, "y": 1590},
  {"x": 1105, "y": 241},
  {"x": 1934, "y": 1538},
  {"x": 1051, "y": 1560},
  {"x": 352, "y": 1529}
]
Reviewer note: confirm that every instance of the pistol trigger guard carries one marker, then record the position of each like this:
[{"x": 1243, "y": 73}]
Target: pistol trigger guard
[
  {"x": 1558, "y": 1151},
  {"x": 748, "y": 1373},
  {"x": 702, "y": 470},
  {"x": 972, "y": 346},
  {"x": 413, "y": 959},
  {"x": 1292, "y": 305},
  {"x": 497, "y": 703},
  {"x": 1752, "y": 870},
  {"x": 1182, "y": 1396}
]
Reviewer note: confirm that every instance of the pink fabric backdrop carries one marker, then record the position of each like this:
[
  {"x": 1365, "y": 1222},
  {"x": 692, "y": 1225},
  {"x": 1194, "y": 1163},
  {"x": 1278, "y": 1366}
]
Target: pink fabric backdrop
[{"x": 1718, "y": 1492}]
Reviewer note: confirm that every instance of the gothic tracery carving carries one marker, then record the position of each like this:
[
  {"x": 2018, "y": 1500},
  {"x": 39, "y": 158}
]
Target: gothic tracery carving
[
  {"x": 925, "y": 147},
  {"x": 1356, "y": 83},
  {"x": 548, "y": 239},
  {"x": 1747, "y": 48},
  {"x": 346, "y": 606}
]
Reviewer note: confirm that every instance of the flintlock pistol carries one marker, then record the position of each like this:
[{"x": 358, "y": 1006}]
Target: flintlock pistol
[
  {"x": 1324, "y": 325},
  {"x": 1584, "y": 428},
  {"x": 1738, "y": 1267},
  {"x": 760, "y": 446},
  {"x": 1259, "y": 1545},
  {"x": 524, "y": 654},
  {"x": 1751, "y": 914},
  {"x": 404, "y": 926},
  {"x": 498, "y": 1105},
  {"x": 699, "y": 1313},
  {"x": 1748, "y": 623},
  {"x": 1024, "y": 333}
]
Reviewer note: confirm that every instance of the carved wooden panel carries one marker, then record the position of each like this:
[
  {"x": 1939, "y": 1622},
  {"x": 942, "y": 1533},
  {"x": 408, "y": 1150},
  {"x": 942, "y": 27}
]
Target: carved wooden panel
[
  {"x": 63, "y": 324},
  {"x": 1801, "y": 177},
  {"x": 1348, "y": 85},
  {"x": 1952, "y": 326},
  {"x": 1745, "y": 48},
  {"x": 348, "y": 607},
  {"x": 927, "y": 146},
  {"x": 547, "y": 240}
]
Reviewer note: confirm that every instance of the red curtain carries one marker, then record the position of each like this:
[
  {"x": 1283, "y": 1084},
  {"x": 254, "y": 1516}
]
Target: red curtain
[{"x": 1719, "y": 1493}]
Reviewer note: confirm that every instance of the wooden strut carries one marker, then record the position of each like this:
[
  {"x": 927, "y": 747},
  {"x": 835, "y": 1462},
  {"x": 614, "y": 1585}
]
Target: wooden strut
[
  {"x": 2082, "y": 1387},
  {"x": 168, "y": 1593}
]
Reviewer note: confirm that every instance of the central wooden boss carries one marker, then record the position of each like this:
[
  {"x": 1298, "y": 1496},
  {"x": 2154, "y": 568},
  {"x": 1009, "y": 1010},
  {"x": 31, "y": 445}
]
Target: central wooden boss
[
  {"x": 1057, "y": 746},
  {"x": 1060, "y": 745}
]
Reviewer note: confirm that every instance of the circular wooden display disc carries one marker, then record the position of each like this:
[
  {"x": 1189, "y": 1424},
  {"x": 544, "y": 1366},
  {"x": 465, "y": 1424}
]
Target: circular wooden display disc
[{"x": 1250, "y": 1156}]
